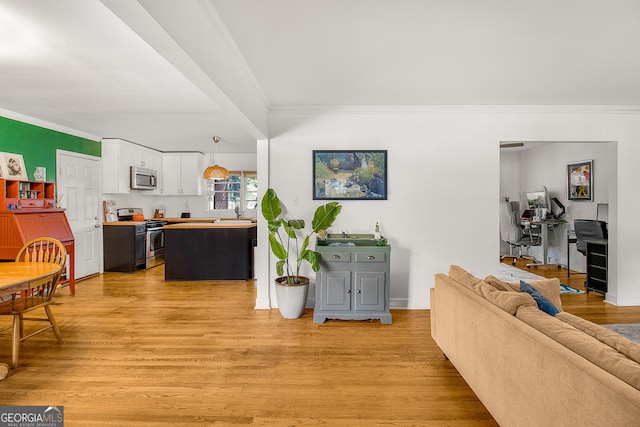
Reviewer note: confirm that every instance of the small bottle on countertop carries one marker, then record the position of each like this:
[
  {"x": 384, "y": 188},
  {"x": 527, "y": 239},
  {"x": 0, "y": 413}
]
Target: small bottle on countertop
[{"x": 377, "y": 234}]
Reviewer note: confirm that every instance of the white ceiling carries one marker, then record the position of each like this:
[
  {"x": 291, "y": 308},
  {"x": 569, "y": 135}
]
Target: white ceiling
[{"x": 172, "y": 74}]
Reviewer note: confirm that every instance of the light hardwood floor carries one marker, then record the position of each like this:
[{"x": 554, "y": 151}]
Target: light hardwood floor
[{"x": 139, "y": 351}]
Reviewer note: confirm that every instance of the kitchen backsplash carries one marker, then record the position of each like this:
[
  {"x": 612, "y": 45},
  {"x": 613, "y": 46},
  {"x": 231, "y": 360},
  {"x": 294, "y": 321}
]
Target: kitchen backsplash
[{"x": 174, "y": 205}]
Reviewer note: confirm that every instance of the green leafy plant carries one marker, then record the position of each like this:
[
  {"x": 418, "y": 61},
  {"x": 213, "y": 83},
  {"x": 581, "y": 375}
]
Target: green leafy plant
[{"x": 284, "y": 235}]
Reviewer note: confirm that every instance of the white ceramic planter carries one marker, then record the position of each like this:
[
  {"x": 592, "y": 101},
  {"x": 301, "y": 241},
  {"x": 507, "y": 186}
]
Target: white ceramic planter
[{"x": 292, "y": 298}]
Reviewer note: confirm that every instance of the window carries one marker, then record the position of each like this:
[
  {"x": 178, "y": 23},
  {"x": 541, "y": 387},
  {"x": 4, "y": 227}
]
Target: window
[{"x": 239, "y": 191}]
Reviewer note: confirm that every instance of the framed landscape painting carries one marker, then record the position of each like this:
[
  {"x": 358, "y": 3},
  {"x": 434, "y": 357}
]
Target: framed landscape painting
[
  {"x": 580, "y": 181},
  {"x": 350, "y": 174}
]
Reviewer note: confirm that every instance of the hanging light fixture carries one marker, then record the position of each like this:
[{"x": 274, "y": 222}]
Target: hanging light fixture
[{"x": 215, "y": 172}]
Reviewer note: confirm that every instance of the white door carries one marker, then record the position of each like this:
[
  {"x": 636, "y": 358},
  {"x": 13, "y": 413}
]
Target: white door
[{"x": 78, "y": 189}]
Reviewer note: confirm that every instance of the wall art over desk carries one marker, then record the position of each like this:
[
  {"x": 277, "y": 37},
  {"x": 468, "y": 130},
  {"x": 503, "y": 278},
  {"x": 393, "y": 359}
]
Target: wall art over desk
[
  {"x": 350, "y": 174},
  {"x": 580, "y": 181},
  {"x": 12, "y": 166}
]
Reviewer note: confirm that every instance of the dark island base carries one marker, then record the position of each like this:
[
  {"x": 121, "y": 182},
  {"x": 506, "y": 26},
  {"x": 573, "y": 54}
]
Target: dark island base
[{"x": 209, "y": 253}]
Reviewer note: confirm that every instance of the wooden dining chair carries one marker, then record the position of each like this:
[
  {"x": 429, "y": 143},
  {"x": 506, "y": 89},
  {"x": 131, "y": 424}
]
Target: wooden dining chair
[
  {"x": 38, "y": 295},
  {"x": 43, "y": 249}
]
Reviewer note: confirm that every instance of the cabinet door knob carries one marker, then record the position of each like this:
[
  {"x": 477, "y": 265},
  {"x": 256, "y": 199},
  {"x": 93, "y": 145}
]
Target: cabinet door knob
[
  {"x": 371, "y": 257},
  {"x": 336, "y": 257},
  {"x": 348, "y": 291},
  {"x": 358, "y": 291}
]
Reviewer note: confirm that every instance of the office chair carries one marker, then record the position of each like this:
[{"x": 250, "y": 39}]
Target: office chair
[
  {"x": 514, "y": 233},
  {"x": 588, "y": 229}
]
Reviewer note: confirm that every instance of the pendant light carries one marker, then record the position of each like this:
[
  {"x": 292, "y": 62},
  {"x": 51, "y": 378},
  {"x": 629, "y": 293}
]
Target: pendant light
[{"x": 215, "y": 172}]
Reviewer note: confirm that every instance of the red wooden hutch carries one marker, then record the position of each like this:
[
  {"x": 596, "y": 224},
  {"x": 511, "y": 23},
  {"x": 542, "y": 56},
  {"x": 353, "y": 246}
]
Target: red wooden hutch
[{"x": 27, "y": 211}]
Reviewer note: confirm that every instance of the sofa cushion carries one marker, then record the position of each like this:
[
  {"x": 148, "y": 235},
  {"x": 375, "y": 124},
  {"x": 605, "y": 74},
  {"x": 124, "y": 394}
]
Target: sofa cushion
[
  {"x": 500, "y": 285},
  {"x": 550, "y": 288},
  {"x": 543, "y": 303},
  {"x": 506, "y": 300},
  {"x": 607, "y": 336},
  {"x": 462, "y": 276},
  {"x": 583, "y": 344}
]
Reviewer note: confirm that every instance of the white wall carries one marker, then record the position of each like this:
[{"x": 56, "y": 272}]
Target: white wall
[
  {"x": 509, "y": 182},
  {"x": 444, "y": 183}
]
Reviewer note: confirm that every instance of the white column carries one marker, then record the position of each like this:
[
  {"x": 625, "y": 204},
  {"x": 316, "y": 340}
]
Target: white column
[{"x": 262, "y": 253}]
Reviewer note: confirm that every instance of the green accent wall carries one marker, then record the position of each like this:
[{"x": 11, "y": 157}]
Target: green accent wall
[{"x": 38, "y": 145}]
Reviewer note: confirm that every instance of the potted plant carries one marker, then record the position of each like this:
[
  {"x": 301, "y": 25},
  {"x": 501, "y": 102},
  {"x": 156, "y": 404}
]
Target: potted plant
[{"x": 292, "y": 288}]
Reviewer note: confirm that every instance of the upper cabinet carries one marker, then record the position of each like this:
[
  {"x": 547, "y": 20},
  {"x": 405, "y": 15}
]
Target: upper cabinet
[
  {"x": 118, "y": 156},
  {"x": 182, "y": 174}
]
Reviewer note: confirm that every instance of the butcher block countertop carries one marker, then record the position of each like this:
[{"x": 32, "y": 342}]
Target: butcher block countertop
[
  {"x": 223, "y": 224},
  {"x": 129, "y": 223},
  {"x": 209, "y": 220}
]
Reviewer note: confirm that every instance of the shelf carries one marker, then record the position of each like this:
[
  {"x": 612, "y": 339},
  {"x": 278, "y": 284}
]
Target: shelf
[{"x": 26, "y": 194}]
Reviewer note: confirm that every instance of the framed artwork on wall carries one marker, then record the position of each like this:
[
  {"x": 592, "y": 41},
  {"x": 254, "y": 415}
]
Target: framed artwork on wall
[
  {"x": 580, "y": 181},
  {"x": 350, "y": 174},
  {"x": 12, "y": 166}
]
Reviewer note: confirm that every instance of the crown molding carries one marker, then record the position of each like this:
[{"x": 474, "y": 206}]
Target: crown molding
[
  {"x": 456, "y": 109},
  {"x": 47, "y": 125}
]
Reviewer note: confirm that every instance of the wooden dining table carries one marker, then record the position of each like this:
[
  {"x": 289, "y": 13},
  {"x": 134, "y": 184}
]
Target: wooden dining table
[{"x": 16, "y": 276}]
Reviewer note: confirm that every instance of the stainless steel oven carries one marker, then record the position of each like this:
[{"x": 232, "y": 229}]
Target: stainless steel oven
[
  {"x": 151, "y": 241},
  {"x": 155, "y": 243}
]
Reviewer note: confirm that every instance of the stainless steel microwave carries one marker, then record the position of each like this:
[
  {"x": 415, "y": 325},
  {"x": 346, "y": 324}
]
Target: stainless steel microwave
[{"x": 143, "y": 179}]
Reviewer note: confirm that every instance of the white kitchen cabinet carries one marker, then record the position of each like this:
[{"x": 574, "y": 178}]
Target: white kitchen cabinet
[
  {"x": 182, "y": 174},
  {"x": 118, "y": 156}
]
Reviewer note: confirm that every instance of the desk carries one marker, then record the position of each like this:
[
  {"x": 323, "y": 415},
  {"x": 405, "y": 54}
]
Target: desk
[{"x": 544, "y": 235}]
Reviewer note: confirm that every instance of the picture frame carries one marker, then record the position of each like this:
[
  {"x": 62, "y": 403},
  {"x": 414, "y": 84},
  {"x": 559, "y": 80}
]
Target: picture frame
[
  {"x": 12, "y": 166},
  {"x": 350, "y": 174},
  {"x": 580, "y": 181}
]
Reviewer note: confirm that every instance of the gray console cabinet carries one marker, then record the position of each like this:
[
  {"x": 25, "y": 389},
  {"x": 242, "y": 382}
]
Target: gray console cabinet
[{"x": 353, "y": 283}]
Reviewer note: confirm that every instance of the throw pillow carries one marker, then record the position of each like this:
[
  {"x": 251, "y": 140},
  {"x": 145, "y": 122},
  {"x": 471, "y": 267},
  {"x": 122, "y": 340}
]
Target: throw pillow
[
  {"x": 543, "y": 303},
  {"x": 550, "y": 288},
  {"x": 508, "y": 301},
  {"x": 500, "y": 285}
]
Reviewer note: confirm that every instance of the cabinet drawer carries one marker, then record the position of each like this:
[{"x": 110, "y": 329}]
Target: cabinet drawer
[
  {"x": 598, "y": 273},
  {"x": 335, "y": 257},
  {"x": 371, "y": 257},
  {"x": 31, "y": 203}
]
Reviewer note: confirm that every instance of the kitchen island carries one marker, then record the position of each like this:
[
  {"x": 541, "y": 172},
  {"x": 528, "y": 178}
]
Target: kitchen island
[{"x": 210, "y": 251}]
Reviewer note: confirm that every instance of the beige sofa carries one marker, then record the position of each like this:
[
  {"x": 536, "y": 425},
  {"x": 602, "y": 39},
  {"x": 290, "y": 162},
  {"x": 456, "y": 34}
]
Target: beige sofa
[{"x": 530, "y": 368}]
